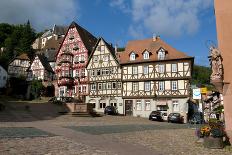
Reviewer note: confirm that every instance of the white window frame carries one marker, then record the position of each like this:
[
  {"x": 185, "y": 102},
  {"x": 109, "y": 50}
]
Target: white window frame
[
  {"x": 147, "y": 86},
  {"x": 175, "y": 106},
  {"x": 161, "y": 85},
  {"x": 135, "y": 86},
  {"x": 147, "y": 105},
  {"x": 161, "y": 54},
  {"x": 146, "y": 55},
  {"x": 132, "y": 56},
  {"x": 99, "y": 86},
  {"x": 138, "y": 105},
  {"x": 174, "y": 68},
  {"x": 146, "y": 69},
  {"x": 174, "y": 85},
  {"x": 95, "y": 58},
  {"x": 135, "y": 70},
  {"x": 161, "y": 68},
  {"x": 93, "y": 86}
]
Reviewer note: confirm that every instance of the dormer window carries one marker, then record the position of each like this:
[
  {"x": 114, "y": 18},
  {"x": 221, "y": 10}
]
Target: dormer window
[
  {"x": 132, "y": 56},
  {"x": 146, "y": 55},
  {"x": 161, "y": 54}
]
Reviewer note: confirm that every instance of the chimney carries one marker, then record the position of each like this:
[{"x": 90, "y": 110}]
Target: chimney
[
  {"x": 116, "y": 49},
  {"x": 155, "y": 37}
]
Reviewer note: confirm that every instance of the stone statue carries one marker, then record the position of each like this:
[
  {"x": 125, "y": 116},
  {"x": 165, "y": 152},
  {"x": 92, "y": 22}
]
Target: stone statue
[{"x": 216, "y": 64}]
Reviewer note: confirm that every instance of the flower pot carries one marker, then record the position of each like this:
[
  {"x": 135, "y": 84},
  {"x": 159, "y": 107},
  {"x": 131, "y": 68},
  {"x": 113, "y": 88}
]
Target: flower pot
[{"x": 213, "y": 143}]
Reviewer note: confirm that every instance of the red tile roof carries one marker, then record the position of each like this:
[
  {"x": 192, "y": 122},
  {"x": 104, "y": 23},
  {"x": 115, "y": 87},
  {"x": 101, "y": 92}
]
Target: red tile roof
[{"x": 152, "y": 46}]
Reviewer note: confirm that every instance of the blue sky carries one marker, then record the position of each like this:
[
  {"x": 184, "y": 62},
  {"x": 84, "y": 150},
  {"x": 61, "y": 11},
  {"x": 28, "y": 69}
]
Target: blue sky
[{"x": 184, "y": 24}]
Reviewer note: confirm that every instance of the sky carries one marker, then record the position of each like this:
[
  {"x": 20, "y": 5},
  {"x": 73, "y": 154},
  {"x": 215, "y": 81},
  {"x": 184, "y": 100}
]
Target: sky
[{"x": 187, "y": 25}]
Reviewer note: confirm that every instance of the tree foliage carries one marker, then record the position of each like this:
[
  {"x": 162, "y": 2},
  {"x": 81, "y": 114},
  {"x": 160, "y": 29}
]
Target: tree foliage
[
  {"x": 15, "y": 39},
  {"x": 201, "y": 75}
]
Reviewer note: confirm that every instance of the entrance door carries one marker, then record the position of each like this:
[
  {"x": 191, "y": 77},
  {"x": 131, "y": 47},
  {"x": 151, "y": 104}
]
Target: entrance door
[{"x": 129, "y": 107}]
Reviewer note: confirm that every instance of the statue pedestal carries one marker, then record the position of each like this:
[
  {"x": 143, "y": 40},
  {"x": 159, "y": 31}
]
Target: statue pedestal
[{"x": 218, "y": 83}]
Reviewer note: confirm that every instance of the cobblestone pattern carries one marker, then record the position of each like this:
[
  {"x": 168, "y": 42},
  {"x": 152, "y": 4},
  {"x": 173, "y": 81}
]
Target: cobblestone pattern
[
  {"x": 169, "y": 142},
  {"x": 46, "y": 146}
]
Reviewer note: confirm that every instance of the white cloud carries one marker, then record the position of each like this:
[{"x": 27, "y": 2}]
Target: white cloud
[
  {"x": 41, "y": 13},
  {"x": 166, "y": 17}
]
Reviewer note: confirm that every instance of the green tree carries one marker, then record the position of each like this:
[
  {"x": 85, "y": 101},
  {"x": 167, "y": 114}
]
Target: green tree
[{"x": 201, "y": 75}]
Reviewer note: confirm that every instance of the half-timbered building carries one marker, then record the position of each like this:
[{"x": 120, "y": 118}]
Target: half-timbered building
[
  {"x": 155, "y": 76},
  {"x": 104, "y": 74},
  {"x": 71, "y": 60},
  {"x": 40, "y": 69},
  {"x": 18, "y": 66}
]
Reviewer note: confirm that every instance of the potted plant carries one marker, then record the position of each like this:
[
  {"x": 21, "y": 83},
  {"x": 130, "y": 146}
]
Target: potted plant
[{"x": 213, "y": 134}]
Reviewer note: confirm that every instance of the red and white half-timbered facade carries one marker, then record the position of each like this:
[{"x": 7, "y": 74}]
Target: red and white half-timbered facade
[{"x": 71, "y": 62}]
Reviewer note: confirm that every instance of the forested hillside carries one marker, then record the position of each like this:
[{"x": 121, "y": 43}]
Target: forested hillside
[{"x": 14, "y": 40}]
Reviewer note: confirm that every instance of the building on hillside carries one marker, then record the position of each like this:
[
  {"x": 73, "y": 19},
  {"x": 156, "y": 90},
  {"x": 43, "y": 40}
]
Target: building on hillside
[
  {"x": 155, "y": 76},
  {"x": 104, "y": 72},
  {"x": 3, "y": 77},
  {"x": 40, "y": 69},
  {"x": 71, "y": 61},
  {"x": 55, "y": 34},
  {"x": 18, "y": 66}
]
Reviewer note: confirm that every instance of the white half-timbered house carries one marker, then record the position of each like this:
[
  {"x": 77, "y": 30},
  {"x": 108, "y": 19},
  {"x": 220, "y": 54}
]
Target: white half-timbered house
[
  {"x": 104, "y": 74},
  {"x": 40, "y": 69},
  {"x": 18, "y": 67},
  {"x": 71, "y": 60},
  {"x": 155, "y": 76}
]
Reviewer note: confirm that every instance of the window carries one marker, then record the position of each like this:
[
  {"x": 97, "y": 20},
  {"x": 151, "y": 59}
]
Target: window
[
  {"x": 174, "y": 67},
  {"x": 138, "y": 105},
  {"x": 161, "y": 86},
  {"x": 145, "y": 70},
  {"x": 161, "y": 68},
  {"x": 93, "y": 86},
  {"x": 119, "y": 85},
  {"x": 135, "y": 86},
  {"x": 79, "y": 89},
  {"x": 77, "y": 73},
  {"x": 104, "y": 86},
  {"x": 105, "y": 71},
  {"x": 146, "y": 55},
  {"x": 113, "y": 104},
  {"x": 93, "y": 72},
  {"x": 95, "y": 58},
  {"x": 102, "y": 48},
  {"x": 94, "y": 105},
  {"x": 147, "y": 86},
  {"x": 175, "y": 106},
  {"x": 102, "y": 105},
  {"x": 83, "y": 72},
  {"x": 99, "y": 86},
  {"x": 109, "y": 85},
  {"x": 82, "y": 58},
  {"x": 98, "y": 72},
  {"x": 174, "y": 85},
  {"x": 147, "y": 105},
  {"x": 99, "y": 48},
  {"x": 106, "y": 57},
  {"x": 132, "y": 56},
  {"x": 161, "y": 54},
  {"x": 134, "y": 70},
  {"x": 113, "y": 85},
  {"x": 84, "y": 89}
]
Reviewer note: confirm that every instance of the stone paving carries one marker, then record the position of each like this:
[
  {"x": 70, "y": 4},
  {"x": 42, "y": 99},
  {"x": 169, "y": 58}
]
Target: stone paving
[{"x": 107, "y": 135}]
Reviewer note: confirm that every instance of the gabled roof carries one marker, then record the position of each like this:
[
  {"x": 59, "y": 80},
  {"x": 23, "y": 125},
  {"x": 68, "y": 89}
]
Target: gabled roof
[
  {"x": 45, "y": 62},
  {"x": 110, "y": 48},
  {"x": 138, "y": 46},
  {"x": 53, "y": 43},
  {"x": 88, "y": 39}
]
